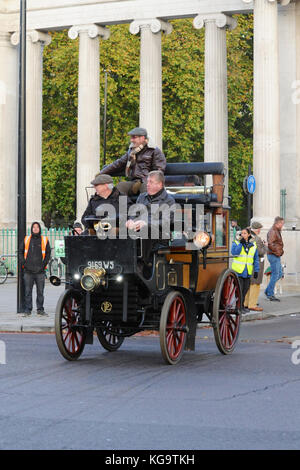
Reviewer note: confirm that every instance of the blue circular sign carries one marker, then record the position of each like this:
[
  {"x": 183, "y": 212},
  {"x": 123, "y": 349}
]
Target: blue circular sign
[{"x": 251, "y": 184}]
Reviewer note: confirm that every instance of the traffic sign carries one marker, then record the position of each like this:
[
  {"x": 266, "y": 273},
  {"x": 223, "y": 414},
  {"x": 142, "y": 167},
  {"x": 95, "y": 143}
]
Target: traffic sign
[{"x": 251, "y": 184}]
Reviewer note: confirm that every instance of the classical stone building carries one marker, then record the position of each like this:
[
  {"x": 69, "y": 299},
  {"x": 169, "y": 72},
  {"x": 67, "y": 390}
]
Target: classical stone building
[{"x": 276, "y": 146}]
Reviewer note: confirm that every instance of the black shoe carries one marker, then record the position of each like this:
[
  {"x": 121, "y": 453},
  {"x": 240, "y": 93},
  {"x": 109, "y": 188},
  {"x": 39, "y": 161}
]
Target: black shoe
[
  {"x": 273, "y": 298},
  {"x": 27, "y": 313},
  {"x": 42, "y": 313}
]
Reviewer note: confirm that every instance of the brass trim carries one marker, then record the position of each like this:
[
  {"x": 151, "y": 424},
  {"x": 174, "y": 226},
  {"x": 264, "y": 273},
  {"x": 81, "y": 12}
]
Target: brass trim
[
  {"x": 100, "y": 272},
  {"x": 172, "y": 278},
  {"x": 106, "y": 306}
]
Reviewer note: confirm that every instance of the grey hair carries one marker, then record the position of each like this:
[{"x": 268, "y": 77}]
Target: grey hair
[
  {"x": 110, "y": 185},
  {"x": 158, "y": 175}
]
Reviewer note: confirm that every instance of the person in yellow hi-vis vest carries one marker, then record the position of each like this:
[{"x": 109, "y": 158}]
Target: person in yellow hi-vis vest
[
  {"x": 262, "y": 248},
  {"x": 245, "y": 261},
  {"x": 36, "y": 252}
]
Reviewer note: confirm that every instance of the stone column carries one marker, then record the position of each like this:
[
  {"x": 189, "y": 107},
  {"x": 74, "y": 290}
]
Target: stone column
[
  {"x": 266, "y": 131},
  {"x": 8, "y": 131},
  {"x": 296, "y": 102},
  {"x": 289, "y": 164},
  {"x": 215, "y": 89},
  {"x": 88, "y": 126},
  {"x": 151, "y": 75},
  {"x": 35, "y": 42}
]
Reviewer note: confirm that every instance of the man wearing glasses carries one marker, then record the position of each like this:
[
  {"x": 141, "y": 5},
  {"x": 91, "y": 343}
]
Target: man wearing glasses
[{"x": 138, "y": 161}]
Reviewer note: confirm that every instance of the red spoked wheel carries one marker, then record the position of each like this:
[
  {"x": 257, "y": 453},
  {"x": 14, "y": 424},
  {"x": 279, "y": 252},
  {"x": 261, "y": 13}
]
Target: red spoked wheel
[
  {"x": 227, "y": 311},
  {"x": 173, "y": 329},
  {"x": 70, "y": 338}
]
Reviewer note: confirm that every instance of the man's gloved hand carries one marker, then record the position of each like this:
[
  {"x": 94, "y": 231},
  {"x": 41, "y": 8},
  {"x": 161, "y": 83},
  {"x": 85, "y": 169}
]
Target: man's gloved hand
[{"x": 255, "y": 275}]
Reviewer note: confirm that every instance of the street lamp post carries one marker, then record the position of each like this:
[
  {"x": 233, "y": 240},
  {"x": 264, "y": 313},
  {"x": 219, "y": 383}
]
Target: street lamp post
[
  {"x": 21, "y": 198},
  {"x": 249, "y": 201},
  {"x": 105, "y": 119}
]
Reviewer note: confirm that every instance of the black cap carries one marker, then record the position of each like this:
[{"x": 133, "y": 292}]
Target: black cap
[{"x": 138, "y": 131}]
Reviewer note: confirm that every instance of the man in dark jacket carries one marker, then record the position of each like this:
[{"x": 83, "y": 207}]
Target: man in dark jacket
[
  {"x": 155, "y": 197},
  {"x": 138, "y": 161},
  {"x": 106, "y": 193},
  {"x": 157, "y": 221},
  {"x": 36, "y": 252},
  {"x": 275, "y": 251}
]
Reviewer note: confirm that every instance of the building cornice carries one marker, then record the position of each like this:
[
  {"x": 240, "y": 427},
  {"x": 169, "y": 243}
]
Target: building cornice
[
  {"x": 50, "y": 15},
  {"x": 47, "y": 15}
]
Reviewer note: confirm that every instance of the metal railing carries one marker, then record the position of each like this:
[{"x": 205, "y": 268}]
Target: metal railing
[
  {"x": 283, "y": 195},
  {"x": 9, "y": 242}
]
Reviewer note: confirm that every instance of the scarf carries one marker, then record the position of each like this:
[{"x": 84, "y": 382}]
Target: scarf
[{"x": 132, "y": 157}]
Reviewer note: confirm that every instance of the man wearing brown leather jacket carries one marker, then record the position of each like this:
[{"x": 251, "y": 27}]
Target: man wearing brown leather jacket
[
  {"x": 275, "y": 251},
  {"x": 138, "y": 161}
]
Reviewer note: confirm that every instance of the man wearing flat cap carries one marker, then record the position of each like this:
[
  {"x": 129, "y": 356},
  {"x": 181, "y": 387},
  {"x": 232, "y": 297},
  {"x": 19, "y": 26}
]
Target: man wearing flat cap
[
  {"x": 141, "y": 158},
  {"x": 251, "y": 297},
  {"x": 105, "y": 193}
]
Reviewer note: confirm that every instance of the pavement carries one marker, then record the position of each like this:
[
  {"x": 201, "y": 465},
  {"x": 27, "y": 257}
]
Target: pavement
[{"x": 10, "y": 321}]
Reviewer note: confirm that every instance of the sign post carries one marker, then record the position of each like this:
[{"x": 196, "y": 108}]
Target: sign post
[
  {"x": 249, "y": 186},
  {"x": 21, "y": 200}
]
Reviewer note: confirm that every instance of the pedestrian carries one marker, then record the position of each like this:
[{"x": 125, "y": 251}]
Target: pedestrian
[
  {"x": 235, "y": 228},
  {"x": 245, "y": 262},
  {"x": 275, "y": 251},
  {"x": 141, "y": 158},
  {"x": 253, "y": 292},
  {"x": 77, "y": 229},
  {"x": 35, "y": 253}
]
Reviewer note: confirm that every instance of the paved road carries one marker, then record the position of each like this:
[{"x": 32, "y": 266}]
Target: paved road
[
  {"x": 131, "y": 400},
  {"x": 11, "y": 321}
]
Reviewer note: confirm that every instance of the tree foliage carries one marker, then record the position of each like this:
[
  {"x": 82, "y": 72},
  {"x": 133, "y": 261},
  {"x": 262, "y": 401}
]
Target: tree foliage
[
  {"x": 183, "y": 106},
  {"x": 240, "y": 111}
]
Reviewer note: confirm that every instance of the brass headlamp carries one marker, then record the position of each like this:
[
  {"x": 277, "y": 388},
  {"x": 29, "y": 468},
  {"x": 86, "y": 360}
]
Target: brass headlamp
[
  {"x": 92, "y": 278},
  {"x": 202, "y": 239}
]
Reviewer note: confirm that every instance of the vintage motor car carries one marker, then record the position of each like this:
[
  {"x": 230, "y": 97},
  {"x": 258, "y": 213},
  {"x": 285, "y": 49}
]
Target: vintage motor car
[{"x": 111, "y": 289}]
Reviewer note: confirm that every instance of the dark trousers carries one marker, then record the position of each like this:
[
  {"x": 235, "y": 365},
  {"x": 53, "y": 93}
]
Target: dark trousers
[
  {"x": 245, "y": 284},
  {"x": 39, "y": 280}
]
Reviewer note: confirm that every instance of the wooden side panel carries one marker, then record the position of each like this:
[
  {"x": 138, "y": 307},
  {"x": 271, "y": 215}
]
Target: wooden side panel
[
  {"x": 180, "y": 257},
  {"x": 186, "y": 276},
  {"x": 207, "y": 278}
]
